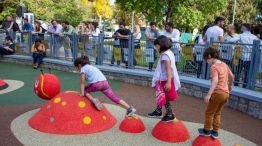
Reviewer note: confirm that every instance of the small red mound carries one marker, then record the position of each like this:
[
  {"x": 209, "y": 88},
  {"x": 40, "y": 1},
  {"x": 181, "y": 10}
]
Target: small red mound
[
  {"x": 69, "y": 113},
  {"x": 132, "y": 125},
  {"x": 206, "y": 141},
  {"x": 47, "y": 86},
  {"x": 3, "y": 84},
  {"x": 172, "y": 132}
]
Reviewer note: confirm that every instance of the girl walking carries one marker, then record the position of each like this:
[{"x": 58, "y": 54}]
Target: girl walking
[{"x": 165, "y": 79}]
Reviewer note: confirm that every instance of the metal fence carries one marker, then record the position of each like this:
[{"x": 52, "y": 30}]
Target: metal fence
[{"x": 244, "y": 59}]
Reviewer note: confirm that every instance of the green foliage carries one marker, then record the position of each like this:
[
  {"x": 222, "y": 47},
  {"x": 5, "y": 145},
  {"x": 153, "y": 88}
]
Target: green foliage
[
  {"x": 259, "y": 6},
  {"x": 59, "y": 9},
  {"x": 68, "y": 11},
  {"x": 6, "y": 11},
  {"x": 245, "y": 12},
  {"x": 187, "y": 14},
  {"x": 72, "y": 11}
]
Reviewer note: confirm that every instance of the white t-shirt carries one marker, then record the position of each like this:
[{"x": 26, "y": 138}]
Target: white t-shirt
[
  {"x": 93, "y": 74},
  {"x": 214, "y": 32},
  {"x": 151, "y": 33},
  {"x": 174, "y": 35},
  {"x": 163, "y": 67},
  {"x": 96, "y": 32},
  {"x": 200, "y": 40}
]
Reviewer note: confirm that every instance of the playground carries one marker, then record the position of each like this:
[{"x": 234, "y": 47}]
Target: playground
[{"x": 19, "y": 104}]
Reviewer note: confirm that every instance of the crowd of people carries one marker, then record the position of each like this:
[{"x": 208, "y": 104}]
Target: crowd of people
[{"x": 214, "y": 33}]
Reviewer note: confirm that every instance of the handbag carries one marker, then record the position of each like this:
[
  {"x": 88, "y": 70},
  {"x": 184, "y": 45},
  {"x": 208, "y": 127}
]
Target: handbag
[{"x": 160, "y": 93}]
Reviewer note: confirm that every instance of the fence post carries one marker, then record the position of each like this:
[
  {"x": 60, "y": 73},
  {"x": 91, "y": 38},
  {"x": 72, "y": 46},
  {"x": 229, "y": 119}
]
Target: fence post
[
  {"x": 255, "y": 56},
  {"x": 206, "y": 66},
  {"x": 52, "y": 45},
  {"x": 75, "y": 48},
  {"x": 100, "y": 48},
  {"x": 30, "y": 41},
  {"x": 131, "y": 52}
]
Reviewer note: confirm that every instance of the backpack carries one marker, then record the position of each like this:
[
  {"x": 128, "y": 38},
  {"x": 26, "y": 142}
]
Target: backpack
[{"x": 15, "y": 27}]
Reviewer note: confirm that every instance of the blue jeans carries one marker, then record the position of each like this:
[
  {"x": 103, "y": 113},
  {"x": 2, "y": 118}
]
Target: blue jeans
[{"x": 38, "y": 58}]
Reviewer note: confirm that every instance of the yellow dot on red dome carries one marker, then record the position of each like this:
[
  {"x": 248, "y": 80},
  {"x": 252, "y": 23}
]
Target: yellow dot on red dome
[
  {"x": 81, "y": 104},
  {"x": 176, "y": 120},
  {"x": 63, "y": 103},
  {"x": 87, "y": 120},
  {"x": 104, "y": 117},
  {"x": 57, "y": 100}
]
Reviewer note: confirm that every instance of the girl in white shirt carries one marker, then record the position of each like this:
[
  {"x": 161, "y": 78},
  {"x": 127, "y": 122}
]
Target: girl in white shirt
[
  {"x": 97, "y": 82},
  {"x": 165, "y": 76}
]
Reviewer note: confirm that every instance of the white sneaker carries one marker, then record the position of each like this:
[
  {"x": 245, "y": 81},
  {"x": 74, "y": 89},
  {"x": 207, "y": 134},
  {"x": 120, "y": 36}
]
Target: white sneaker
[{"x": 130, "y": 111}]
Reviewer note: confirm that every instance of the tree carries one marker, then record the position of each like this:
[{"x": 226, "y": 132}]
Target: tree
[
  {"x": 103, "y": 9},
  {"x": 120, "y": 14},
  {"x": 7, "y": 7},
  {"x": 56, "y": 9},
  {"x": 245, "y": 12},
  {"x": 188, "y": 14}
]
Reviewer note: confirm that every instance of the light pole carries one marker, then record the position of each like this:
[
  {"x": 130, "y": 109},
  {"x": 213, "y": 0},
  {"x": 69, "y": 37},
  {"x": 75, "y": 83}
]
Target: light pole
[
  {"x": 234, "y": 12},
  {"x": 133, "y": 15}
]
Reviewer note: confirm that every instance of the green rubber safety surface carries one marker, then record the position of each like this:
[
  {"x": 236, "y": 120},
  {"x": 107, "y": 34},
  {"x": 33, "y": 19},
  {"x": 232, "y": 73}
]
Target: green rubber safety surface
[{"x": 26, "y": 74}]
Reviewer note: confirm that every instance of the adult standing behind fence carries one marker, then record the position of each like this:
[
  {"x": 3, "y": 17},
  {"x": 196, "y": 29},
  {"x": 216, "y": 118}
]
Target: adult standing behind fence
[
  {"x": 93, "y": 33},
  {"x": 55, "y": 28},
  {"x": 121, "y": 35},
  {"x": 38, "y": 31},
  {"x": 174, "y": 35},
  {"x": 151, "y": 34},
  {"x": 67, "y": 29},
  {"x": 246, "y": 38},
  {"x": 27, "y": 27},
  {"x": 227, "y": 49},
  {"x": 199, "y": 49},
  {"x": 216, "y": 32},
  {"x": 171, "y": 32},
  {"x": 7, "y": 25},
  {"x": 68, "y": 33}
]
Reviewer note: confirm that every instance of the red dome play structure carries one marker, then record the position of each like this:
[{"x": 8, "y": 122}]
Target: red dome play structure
[
  {"x": 69, "y": 113},
  {"x": 47, "y": 86},
  {"x": 132, "y": 124},
  {"x": 172, "y": 132},
  {"x": 3, "y": 84},
  {"x": 206, "y": 141}
]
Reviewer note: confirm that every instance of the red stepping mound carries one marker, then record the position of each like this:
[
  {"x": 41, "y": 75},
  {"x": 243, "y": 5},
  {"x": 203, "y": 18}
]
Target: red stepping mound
[
  {"x": 172, "y": 132},
  {"x": 132, "y": 124},
  {"x": 3, "y": 84},
  {"x": 47, "y": 86},
  {"x": 69, "y": 113},
  {"x": 206, "y": 141}
]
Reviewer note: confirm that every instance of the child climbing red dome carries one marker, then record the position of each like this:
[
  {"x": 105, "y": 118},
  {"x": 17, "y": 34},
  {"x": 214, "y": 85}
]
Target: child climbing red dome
[{"x": 69, "y": 113}]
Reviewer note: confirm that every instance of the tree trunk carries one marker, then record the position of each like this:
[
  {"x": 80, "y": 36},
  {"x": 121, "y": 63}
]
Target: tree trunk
[{"x": 169, "y": 11}]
